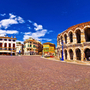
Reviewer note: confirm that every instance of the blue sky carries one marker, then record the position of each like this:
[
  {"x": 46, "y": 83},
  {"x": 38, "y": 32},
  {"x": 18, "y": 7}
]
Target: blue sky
[{"x": 41, "y": 19}]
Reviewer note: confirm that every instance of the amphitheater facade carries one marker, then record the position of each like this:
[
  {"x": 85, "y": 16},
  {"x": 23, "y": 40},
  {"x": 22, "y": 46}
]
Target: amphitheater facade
[{"x": 76, "y": 42}]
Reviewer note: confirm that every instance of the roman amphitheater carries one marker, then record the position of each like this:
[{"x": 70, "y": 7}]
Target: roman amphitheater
[{"x": 76, "y": 42}]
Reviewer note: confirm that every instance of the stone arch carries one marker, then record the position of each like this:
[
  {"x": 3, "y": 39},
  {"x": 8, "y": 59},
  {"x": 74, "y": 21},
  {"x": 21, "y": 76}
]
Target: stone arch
[
  {"x": 78, "y": 35},
  {"x": 70, "y": 34},
  {"x": 71, "y": 54},
  {"x": 65, "y": 38},
  {"x": 87, "y": 33},
  {"x": 61, "y": 38},
  {"x": 87, "y": 53},
  {"x": 65, "y": 51},
  {"x": 78, "y": 54}
]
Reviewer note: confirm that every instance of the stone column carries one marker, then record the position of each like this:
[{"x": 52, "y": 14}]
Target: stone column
[
  {"x": 74, "y": 38},
  {"x": 82, "y": 54},
  {"x": 68, "y": 40},
  {"x": 74, "y": 54},
  {"x": 68, "y": 56},
  {"x": 7, "y": 44},
  {"x": 3, "y": 44},
  {"x": 82, "y": 36}
]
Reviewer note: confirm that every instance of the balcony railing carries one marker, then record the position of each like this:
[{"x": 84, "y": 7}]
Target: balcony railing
[{"x": 7, "y": 48}]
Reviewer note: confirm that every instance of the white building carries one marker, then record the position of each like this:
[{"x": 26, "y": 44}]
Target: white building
[
  {"x": 7, "y": 45},
  {"x": 19, "y": 48}
]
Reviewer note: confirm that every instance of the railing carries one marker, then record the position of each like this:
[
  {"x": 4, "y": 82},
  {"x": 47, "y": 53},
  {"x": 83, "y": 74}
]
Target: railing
[
  {"x": 86, "y": 43},
  {"x": 7, "y": 48}
]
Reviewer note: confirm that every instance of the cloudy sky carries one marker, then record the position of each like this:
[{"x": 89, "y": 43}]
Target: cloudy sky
[{"x": 41, "y": 19}]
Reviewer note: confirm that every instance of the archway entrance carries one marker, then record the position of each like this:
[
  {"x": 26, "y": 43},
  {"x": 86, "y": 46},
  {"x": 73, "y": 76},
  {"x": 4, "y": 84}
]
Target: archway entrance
[
  {"x": 87, "y": 34},
  {"x": 71, "y": 36},
  {"x": 65, "y": 54},
  {"x": 78, "y": 54},
  {"x": 78, "y": 36},
  {"x": 71, "y": 54},
  {"x": 87, "y": 54}
]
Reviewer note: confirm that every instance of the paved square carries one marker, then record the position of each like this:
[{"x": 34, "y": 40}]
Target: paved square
[{"x": 35, "y": 73}]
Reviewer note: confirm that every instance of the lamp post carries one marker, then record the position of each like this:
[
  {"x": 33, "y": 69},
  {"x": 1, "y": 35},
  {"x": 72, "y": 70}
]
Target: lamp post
[
  {"x": 62, "y": 51},
  {"x": 11, "y": 51}
]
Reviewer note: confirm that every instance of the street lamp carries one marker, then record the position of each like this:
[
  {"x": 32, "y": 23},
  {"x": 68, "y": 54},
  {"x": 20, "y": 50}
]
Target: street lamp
[{"x": 62, "y": 51}]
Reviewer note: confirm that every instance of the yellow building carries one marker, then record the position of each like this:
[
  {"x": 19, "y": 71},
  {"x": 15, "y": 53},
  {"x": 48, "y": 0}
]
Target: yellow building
[{"x": 48, "y": 48}]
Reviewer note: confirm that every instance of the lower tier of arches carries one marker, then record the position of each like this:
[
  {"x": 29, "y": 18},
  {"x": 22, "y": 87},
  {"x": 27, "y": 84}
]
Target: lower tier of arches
[{"x": 80, "y": 54}]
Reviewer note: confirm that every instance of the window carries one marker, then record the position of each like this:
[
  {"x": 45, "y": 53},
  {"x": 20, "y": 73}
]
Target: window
[
  {"x": 34, "y": 46},
  {"x": 5, "y": 39},
  {"x": 5, "y": 45},
  {"x": 0, "y": 39},
  {"x": 9, "y": 39},
  {"x": 13, "y": 40},
  {"x": 30, "y": 45},
  {"x": 14, "y": 45},
  {"x": 24, "y": 46},
  {"x": 0, "y": 44}
]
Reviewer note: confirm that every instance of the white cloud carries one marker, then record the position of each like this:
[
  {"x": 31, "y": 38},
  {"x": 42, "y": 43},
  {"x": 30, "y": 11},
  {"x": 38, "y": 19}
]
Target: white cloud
[
  {"x": 27, "y": 33},
  {"x": 49, "y": 31},
  {"x": 19, "y": 41},
  {"x": 29, "y": 27},
  {"x": 46, "y": 39},
  {"x": 30, "y": 21},
  {"x": 37, "y": 27},
  {"x": 35, "y": 35},
  {"x": 20, "y": 19},
  {"x": 11, "y": 15},
  {"x": 3, "y": 14},
  {"x": 7, "y": 22},
  {"x": 13, "y": 19},
  {"x": 4, "y": 32},
  {"x": 12, "y": 32}
]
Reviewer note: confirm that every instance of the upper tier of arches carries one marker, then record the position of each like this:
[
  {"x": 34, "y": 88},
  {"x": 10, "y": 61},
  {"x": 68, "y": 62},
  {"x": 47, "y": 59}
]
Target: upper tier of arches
[{"x": 75, "y": 35}]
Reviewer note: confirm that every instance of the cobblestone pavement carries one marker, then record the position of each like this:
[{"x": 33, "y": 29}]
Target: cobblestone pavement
[{"x": 35, "y": 73}]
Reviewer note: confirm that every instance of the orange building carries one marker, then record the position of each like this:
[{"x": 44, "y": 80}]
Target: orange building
[{"x": 32, "y": 47}]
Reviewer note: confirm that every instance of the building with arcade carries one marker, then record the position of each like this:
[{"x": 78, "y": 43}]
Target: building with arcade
[{"x": 76, "y": 42}]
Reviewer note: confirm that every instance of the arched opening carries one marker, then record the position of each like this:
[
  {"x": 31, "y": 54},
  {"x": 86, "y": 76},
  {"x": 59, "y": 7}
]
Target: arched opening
[
  {"x": 61, "y": 39},
  {"x": 65, "y": 54},
  {"x": 87, "y": 34},
  {"x": 65, "y": 36},
  {"x": 78, "y": 54},
  {"x": 71, "y": 36},
  {"x": 78, "y": 36},
  {"x": 71, "y": 54},
  {"x": 87, "y": 54}
]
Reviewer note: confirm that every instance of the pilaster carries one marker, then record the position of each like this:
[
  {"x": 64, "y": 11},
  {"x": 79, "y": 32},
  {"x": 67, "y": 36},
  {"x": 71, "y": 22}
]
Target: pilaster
[{"x": 82, "y": 36}]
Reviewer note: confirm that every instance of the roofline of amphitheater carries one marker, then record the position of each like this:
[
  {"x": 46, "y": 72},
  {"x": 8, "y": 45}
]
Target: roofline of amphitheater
[{"x": 75, "y": 26}]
